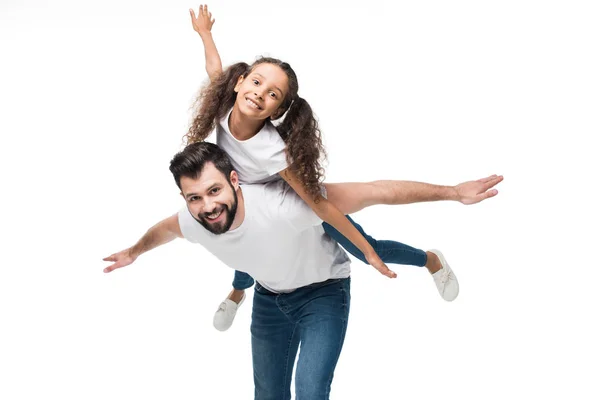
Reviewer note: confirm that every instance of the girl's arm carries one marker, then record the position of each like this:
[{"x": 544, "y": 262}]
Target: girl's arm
[
  {"x": 203, "y": 25},
  {"x": 330, "y": 214}
]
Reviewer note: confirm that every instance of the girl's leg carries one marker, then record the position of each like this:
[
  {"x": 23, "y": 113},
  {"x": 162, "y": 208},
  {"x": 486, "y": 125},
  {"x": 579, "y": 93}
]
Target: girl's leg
[
  {"x": 400, "y": 253},
  {"x": 389, "y": 251},
  {"x": 242, "y": 281},
  {"x": 353, "y": 197},
  {"x": 225, "y": 314}
]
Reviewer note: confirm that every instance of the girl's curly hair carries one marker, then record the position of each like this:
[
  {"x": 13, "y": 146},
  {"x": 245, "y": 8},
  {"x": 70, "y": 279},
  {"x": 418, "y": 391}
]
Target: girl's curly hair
[{"x": 299, "y": 129}]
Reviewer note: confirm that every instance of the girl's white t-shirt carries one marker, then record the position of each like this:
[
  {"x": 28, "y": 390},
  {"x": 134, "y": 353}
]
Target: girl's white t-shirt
[{"x": 258, "y": 159}]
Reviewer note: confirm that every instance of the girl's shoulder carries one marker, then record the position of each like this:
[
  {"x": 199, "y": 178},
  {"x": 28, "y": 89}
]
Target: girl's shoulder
[{"x": 270, "y": 130}]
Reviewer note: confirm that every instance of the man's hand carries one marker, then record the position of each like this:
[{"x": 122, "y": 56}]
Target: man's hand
[
  {"x": 204, "y": 22},
  {"x": 376, "y": 262},
  {"x": 475, "y": 191},
  {"x": 120, "y": 259}
]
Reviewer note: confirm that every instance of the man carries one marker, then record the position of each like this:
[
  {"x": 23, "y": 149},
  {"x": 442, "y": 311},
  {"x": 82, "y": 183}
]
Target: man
[{"x": 302, "y": 294}]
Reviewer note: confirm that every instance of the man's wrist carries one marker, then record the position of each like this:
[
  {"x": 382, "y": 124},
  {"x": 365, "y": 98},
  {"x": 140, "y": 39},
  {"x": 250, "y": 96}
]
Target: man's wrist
[
  {"x": 452, "y": 193},
  {"x": 134, "y": 251}
]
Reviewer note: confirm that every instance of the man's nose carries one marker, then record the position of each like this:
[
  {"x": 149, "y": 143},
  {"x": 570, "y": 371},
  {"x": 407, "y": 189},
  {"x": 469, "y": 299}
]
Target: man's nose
[{"x": 209, "y": 206}]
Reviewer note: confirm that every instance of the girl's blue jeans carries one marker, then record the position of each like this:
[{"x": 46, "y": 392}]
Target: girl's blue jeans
[{"x": 388, "y": 250}]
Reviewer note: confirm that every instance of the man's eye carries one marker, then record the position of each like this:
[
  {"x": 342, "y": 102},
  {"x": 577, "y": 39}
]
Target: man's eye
[
  {"x": 194, "y": 198},
  {"x": 215, "y": 191}
]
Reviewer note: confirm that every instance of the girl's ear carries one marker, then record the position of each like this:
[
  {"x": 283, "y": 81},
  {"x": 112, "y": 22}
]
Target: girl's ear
[
  {"x": 238, "y": 84},
  {"x": 277, "y": 114}
]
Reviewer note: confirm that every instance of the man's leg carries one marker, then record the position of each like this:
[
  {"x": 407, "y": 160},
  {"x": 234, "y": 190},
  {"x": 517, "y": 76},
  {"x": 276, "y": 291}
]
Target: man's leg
[
  {"x": 275, "y": 340},
  {"x": 322, "y": 321}
]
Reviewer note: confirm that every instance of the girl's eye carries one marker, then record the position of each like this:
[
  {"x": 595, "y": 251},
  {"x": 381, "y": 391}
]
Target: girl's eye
[
  {"x": 255, "y": 81},
  {"x": 273, "y": 95}
]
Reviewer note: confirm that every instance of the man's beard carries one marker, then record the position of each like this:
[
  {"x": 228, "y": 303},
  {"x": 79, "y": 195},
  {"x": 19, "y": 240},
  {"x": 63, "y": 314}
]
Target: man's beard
[{"x": 221, "y": 227}]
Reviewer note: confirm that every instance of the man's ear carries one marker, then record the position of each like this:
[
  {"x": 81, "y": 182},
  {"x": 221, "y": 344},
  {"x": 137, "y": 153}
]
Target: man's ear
[
  {"x": 238, "y": 84},
  {"x": 234, "y": 179}
]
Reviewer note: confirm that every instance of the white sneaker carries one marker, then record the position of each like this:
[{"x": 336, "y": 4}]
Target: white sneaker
[
  {"x": 444, "y": 279},
  {"x": 226, "y": 313}
]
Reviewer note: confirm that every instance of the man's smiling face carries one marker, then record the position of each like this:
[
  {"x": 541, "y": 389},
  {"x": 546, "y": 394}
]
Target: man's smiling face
[{"x": 211, "y": 198}]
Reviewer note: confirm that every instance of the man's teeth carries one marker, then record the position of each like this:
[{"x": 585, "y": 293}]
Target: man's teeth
[
  {"x": 252, "y": 104},
  {"x": 214, "y": 215}
]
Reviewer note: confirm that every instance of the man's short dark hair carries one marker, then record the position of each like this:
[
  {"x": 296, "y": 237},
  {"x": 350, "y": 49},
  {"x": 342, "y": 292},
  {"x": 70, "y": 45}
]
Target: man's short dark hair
[{"x": 191, "y": 161}]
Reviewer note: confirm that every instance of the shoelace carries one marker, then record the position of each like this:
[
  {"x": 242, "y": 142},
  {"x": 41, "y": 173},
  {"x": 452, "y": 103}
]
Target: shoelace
[{"x": 445, "y": 275}]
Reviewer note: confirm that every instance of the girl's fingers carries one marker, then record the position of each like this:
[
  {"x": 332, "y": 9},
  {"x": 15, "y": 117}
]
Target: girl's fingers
[{"x": 387, "y": 272}]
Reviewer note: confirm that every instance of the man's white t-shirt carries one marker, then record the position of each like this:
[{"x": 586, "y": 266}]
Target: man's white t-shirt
[
  {"x": 280, "y": 243},
  {"x": 258, "y": 159}
]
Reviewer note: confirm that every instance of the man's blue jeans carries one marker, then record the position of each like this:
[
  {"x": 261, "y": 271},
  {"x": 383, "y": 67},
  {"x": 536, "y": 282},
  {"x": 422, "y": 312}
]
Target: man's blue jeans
[
  {"x": 388, "y": 250},
  {"x": 313, "y": 317}
]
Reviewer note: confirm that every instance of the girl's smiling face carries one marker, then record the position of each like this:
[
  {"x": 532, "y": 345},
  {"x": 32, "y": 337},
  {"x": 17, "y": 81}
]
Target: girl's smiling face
[{"x": 261, "y": 93}]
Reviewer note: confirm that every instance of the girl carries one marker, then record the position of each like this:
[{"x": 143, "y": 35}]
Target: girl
[{"x": 241, "y": 102}]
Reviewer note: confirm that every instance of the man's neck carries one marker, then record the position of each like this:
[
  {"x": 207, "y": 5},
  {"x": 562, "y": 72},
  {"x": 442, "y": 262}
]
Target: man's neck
[
  {"x": 241, "y": 210},
  {"x": 242, "y": 127}
]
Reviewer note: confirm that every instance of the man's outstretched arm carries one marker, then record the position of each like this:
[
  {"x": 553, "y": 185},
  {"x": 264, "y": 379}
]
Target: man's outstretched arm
[
  {"x": 352, "y": 197},
  {"x": 161, "y": 233}
]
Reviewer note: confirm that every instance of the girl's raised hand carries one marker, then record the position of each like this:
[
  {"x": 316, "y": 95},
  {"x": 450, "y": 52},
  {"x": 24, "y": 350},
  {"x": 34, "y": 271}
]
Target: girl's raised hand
[{"x": 204, "y": 21}]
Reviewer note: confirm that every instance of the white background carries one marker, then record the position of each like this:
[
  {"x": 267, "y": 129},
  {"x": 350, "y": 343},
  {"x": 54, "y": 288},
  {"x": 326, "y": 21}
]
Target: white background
[{"x": 95, "y": 98}]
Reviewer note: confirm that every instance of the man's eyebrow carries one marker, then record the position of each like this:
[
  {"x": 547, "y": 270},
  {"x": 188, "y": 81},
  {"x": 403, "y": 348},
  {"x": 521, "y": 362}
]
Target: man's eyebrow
[{"x": 211, "y": 187}]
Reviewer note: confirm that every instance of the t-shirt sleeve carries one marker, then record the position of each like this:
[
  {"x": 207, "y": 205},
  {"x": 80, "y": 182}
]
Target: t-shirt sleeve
[{"x": 188, "y": 225}]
